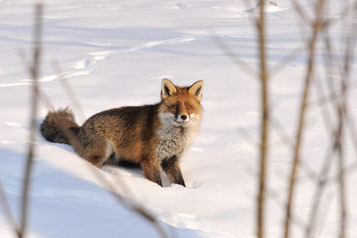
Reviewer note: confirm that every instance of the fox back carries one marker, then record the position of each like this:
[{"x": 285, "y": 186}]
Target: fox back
[{"x": 154, "y": 136}]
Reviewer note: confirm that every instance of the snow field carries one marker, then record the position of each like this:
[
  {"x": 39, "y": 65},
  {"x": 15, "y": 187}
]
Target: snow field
[{"x": 115, "y": 53}]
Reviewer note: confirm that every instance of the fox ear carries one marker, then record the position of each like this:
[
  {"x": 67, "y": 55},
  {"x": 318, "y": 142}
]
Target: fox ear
[
  {"x": 167, "y": 88},
  {"x": 195, "y": 90}
]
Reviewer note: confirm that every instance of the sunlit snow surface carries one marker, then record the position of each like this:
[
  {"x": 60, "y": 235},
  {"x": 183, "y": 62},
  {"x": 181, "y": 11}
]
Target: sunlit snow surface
[{"x": 115, "y": 53}]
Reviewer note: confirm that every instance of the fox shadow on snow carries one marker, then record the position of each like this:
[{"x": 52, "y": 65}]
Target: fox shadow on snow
[{"x": 130, "y": 167}]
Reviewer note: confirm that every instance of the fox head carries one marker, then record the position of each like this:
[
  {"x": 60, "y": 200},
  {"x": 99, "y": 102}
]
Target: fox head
[{"x": 181, "y": 105}]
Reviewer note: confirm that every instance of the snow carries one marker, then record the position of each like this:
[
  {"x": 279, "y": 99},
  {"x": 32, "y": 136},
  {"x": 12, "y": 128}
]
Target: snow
[{"x": 115, "y": 53}]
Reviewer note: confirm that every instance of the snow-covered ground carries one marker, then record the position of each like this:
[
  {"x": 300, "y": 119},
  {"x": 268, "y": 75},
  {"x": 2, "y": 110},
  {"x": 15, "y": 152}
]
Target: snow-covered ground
[{"x": 115, "y": 53}]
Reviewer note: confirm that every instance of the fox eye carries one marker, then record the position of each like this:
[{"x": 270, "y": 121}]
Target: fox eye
[
  {"x": 189, "y": 107},
  {"x": 174, "y": 106}
]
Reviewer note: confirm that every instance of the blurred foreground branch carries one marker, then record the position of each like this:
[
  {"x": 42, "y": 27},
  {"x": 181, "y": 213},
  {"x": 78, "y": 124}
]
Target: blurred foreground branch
[
  {"x": 35, "y": 71},
  {"x": 302, "y": 113},
  {"x": 264, "y": 121}
]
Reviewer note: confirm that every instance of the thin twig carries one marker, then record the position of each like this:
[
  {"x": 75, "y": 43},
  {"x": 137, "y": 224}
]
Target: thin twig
[
  {"x": 275, "y": 196},
  {"x": 341, "y": 109},
  {"x": 301, "y": 12},
  {"x": 33, "y": 132},
  {"x": 321, "y": 184},
  {"x": 7, "y": 210},
  {"x": 342, "y": 184},
  {"x": 287, "y": 59},
  {"x": 228, "y": 51},
  {"x": 302, "y": 114},
  {"x": 40, "y": 93},
  {"x": 63, "y": 79},
  {"x": 348, "y": 8},
  {"x": 330, "y": 66}
]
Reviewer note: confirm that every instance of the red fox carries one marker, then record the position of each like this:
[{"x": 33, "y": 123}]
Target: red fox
[{"x": 154, "y": 136}]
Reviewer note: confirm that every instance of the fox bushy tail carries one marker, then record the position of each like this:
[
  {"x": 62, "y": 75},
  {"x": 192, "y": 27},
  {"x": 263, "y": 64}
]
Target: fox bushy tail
[{"x": 59, "y": 126}]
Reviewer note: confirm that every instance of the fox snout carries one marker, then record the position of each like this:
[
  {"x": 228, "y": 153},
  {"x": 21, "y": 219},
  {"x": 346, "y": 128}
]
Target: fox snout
[
  {"x": 180, "y": 112},
  {"x": 182, "y": 119}
]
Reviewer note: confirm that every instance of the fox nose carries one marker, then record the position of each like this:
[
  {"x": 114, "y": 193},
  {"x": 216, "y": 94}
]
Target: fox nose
[{"x": 183, "y": 117}]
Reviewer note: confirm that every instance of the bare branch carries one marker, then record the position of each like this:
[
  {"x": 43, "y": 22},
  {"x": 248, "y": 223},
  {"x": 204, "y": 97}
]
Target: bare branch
[
  {"x": 37, "y": 34},
  {"x": 228, "y": 51},
  {"x": 302, "y": 114},
  {"x": 264, "y": 121}
]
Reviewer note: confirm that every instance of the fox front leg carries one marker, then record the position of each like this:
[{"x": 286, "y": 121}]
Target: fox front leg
[
  {"x": 151, "y": 169},
  {"x": 172, "y": 169}
]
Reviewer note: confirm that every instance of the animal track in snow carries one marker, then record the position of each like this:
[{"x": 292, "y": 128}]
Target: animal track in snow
[
  {"x": 5, "y": 85},
  {"x": 82, "y": 64},
  {"x": 47, "y": 78},
  {"x": 180, "y": 5},
  {"x": 152, "y": 44},
  {"x": 91, "y": 59},
  {"x": 86, "y": 64},
  {"x": 185, "y": 220},
  {"x": 98, "y": 57},
  {"x": 25, "y": 82},
  {"x": 191, "y": 221},
  {"x": 99, "y": 44},
  {"x": 13, "y": 124},
  {"x": 77, "y": 73}
]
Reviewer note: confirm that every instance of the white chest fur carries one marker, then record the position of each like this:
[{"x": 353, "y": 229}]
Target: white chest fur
[{"x": 174, "y": 140}]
